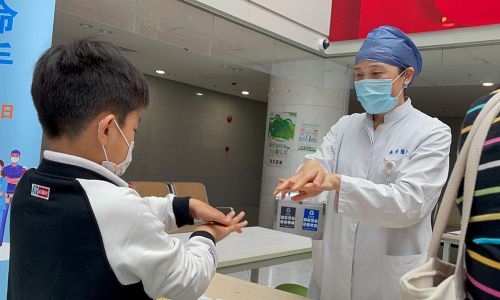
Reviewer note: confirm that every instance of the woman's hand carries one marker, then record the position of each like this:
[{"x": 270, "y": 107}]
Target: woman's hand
[{"x": 309, "y": 181}]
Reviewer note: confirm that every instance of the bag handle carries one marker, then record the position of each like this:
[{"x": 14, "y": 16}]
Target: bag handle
[{"x": 455, "y": 180}]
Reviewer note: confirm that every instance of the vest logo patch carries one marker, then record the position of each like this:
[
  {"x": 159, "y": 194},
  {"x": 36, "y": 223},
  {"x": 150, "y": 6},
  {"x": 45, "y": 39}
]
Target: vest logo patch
[{"x": 40, "y": 191}]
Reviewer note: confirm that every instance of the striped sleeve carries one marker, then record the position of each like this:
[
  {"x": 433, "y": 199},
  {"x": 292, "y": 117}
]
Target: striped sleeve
[{"x": 483, "y": 234}]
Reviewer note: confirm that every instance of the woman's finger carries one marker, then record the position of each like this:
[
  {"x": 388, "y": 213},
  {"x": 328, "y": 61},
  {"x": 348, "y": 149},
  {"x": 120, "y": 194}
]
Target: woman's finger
[{"x": 300, "y": 196}]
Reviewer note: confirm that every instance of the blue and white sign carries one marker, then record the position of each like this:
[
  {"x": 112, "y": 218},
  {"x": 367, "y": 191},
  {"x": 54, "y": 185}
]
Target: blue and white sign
[
  {"x": 311, "y": 219},
  {"x": 25, "y": 33},
  {"x": 287, "y": 217}
]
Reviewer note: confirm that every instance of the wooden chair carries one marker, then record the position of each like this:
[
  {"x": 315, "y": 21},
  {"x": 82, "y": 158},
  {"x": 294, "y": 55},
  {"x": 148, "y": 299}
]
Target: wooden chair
[{"x": 150, "y": 188}]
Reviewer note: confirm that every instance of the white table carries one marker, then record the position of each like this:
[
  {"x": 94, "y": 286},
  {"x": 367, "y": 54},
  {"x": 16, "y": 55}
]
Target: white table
[
  {"x": 256, "y": 248},
  {"x": 448, "y": 238}
]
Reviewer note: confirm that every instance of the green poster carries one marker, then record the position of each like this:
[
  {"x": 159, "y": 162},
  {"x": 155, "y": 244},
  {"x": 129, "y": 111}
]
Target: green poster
[
  {"x": 280, "y": 136},
  {"x": 282, "y": 126}
]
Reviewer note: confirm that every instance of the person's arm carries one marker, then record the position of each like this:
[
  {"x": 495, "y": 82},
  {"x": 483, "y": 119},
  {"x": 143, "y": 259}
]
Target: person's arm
[
  {"x": 166, "y": 266},
  {"x": 325, "y": 156},
  {"x": 176, "y": 211},
  {"x": 413, "y": 194},
  {"x": 171, "y": 210},
  {"x": 139, "y": 250}
]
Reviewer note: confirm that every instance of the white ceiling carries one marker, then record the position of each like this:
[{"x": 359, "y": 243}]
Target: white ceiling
[
  {"x": 160, "y": 31},
  {"x": 184, "y": 66}
]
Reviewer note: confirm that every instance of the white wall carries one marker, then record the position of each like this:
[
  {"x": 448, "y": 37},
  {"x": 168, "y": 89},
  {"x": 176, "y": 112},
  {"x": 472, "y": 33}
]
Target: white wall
[
  {"x": 302, "y": 22},
  {"x": 314, "y": 14}
]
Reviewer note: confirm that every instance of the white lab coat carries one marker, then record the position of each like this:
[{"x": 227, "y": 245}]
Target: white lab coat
[{"x": 378, "y": 226}]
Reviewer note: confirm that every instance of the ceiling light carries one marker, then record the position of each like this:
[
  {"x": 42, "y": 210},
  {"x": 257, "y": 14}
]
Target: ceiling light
[
  {"x": 245, "y": 93},
  {"x": 105, "y": 31},
  {"x": 488, "y": 84},
  {"x": 86, "y": 25},
  {"x": 161, "y": 72},
  {"x": 199, "y": 94}
]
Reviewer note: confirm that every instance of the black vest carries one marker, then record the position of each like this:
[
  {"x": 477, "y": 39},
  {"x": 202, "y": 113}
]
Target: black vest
[{"x": 57, "y": 250}]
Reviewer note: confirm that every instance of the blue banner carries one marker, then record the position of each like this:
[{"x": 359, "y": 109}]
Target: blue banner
[{"x": 25, "y": 33}]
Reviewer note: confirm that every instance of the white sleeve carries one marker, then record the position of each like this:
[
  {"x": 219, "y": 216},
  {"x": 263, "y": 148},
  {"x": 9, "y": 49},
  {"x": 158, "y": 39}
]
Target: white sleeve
[
  {"x": 170, "y": 210},
  {"x": 138, "y": 249},
  {"x": 413, "y": 194},
  {"x": 162, "y": 208}
]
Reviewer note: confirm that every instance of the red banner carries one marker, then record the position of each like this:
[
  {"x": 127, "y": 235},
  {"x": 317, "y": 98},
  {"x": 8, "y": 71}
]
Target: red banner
[{"x": 353, "y": 19}]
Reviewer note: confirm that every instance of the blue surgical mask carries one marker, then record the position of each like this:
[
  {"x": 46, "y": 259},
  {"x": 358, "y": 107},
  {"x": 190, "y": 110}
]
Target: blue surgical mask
[{"x": 375, "y": 95}]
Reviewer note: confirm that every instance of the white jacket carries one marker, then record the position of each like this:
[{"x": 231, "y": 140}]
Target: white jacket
[
  {"x": 136, "y": 244},
  {"x": 379, "y": 225}
]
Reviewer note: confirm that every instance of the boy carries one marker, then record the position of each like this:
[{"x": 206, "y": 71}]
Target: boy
[{"x": 77, "y": 230}]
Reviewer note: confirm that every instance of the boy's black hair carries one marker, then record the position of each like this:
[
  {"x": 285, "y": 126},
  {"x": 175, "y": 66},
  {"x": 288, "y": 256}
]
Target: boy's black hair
[{"x": 73, "y": 83}]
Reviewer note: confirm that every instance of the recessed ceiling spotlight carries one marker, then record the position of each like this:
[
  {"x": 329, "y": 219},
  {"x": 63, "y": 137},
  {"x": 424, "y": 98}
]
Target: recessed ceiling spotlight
[
  {"x": 161, "y": 72},
  {"x": 488, "y": 84},
  {"x": 199, "y": 94},
  {"x": 106, "y": 31},
  {"x": 245, "y": 93},
  {"x": 86, "y": 25}
]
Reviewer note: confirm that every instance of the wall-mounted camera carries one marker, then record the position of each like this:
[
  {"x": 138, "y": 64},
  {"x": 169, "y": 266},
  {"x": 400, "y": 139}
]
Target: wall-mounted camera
[
  {"x": 324, "y": 44},
  {"x": 234, "y": 82}
]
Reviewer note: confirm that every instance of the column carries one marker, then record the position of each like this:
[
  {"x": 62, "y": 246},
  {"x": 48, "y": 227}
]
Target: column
[{"x": 317, "y": 90}]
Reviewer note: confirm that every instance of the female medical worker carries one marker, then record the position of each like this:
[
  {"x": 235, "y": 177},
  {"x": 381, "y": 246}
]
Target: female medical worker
[{"x": 385, "y": 168}]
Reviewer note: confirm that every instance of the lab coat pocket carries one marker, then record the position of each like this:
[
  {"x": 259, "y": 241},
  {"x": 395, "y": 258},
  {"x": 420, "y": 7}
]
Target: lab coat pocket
[{"x": 394, "y": 268}]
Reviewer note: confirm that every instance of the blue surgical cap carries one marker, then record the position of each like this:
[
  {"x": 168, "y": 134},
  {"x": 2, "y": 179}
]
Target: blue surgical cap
[{"x": 391, "y": 46}]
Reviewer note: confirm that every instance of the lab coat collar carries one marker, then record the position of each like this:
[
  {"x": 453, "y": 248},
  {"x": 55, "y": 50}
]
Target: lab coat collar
[
  {"x": 84, "y": 163},
  {"x": 396, "y": 114}
]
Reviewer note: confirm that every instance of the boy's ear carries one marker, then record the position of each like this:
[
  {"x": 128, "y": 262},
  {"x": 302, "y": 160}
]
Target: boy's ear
[{"x": 103, "y": 129}]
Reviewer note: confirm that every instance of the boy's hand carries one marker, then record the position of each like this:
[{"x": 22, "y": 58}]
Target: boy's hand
[
  {"x": 219, "y": 232},
  {"x": 202, "y": 211}
]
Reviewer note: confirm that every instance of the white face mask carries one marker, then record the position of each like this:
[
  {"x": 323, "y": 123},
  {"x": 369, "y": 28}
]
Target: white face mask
[
  {"x": 119, "y": 169},
  {"x": 14, "y": 159}
]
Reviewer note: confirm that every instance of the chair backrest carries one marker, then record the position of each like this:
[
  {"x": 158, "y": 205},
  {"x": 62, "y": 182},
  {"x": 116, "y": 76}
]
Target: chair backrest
[
  {"x": 150, "y": 188},
  {"x": 193, "y": 189}
]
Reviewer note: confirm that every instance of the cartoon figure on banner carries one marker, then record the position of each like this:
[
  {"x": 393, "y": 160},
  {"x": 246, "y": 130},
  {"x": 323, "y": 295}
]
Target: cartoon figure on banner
[
  {"x": 3, "y": 206},
  {"x": 12, "y": 174}
]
